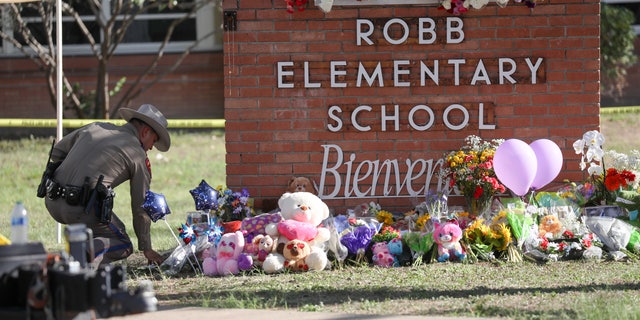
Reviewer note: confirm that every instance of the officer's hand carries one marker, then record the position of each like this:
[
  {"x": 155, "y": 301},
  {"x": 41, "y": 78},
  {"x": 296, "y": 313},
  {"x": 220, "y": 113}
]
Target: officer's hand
[{"x": 152, "y": 256}]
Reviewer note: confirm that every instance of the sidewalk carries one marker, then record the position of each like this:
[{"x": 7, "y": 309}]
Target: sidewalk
[{"x": 235, "y": 314}]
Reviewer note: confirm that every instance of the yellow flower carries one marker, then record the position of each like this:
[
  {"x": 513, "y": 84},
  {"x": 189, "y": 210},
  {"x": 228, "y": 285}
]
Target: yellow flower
[
  {"x": 385, "y": 217},
  {"x": 502, "y": 233},
  {"x": 422, "y": 220},
  {"x": 463, "y": 214},
  {"x": 500, "y": 218},
  {"x": 476, "y": 231}
]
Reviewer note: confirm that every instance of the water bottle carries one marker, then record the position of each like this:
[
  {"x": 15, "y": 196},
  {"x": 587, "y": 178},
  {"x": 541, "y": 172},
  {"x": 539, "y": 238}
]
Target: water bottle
[{"x": 19, "y": 224}]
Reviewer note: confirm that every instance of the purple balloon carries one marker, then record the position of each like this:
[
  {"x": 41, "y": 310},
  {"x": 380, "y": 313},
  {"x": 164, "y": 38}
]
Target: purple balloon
[
  {"x": 549, "y": 157},
  {"x": 205, "y": 197},
  {"x": 515, "y": 165},
  {"x": 155, "y": 205}
]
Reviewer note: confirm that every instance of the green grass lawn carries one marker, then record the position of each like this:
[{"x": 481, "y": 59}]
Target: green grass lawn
[
  {"x": 561, "y": 290},
  {"x": 192, "y": 157}
]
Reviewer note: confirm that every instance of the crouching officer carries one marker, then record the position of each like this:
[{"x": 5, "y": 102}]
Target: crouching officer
[{"x": 89, "y": 163}]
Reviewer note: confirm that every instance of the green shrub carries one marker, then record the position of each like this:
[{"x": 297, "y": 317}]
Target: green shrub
[{"x": 617, "y": 39}]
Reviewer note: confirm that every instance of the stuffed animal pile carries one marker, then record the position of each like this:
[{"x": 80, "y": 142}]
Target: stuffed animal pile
[
  {"x": 302, "y": 213},
  {"x": 227, "y": 258},
  {"x": 291, "y": 239}
]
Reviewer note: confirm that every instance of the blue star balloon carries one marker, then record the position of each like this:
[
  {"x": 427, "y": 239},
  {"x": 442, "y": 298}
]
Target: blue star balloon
[
  {"x": 205, "y": 197},
  {"x": 155, "y": 205}
]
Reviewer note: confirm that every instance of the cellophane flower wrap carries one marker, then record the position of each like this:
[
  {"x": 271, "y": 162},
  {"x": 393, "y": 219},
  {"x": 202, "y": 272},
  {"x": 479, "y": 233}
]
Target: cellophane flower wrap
[
  {"x": 519, "y": 218},
  {"x": 419, "y": 243},
  {"x": 470, "y": 170}
]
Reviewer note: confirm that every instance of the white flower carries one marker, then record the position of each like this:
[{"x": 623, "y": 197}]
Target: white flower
[
  {"x": 574, "y": 246},
  {"x": 592, "y": 141},
  {"x": 446, "y": 4},
  {"x": 594, "y": 169},
  {"x": 502, "y": 3},
  {"x": 578, "y": 146},
  {"x": 594, "y": 154},
  {"x": 478, "y": 4},
  {"x": 593, "y": 138},
  {"x": 324, "y": 5}
]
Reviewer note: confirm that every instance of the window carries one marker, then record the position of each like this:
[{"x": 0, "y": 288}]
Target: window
[{"x": 145, "y": 34}]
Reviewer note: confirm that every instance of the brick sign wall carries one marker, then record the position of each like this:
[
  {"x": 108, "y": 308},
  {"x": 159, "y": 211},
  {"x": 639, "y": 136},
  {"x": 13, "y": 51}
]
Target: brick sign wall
[{"x": 366, "y": 100}]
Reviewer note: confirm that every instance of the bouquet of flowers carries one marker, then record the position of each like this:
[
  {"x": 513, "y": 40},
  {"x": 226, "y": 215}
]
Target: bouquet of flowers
[
  {"x": 569, "y": 247},
  {"x": 471, "y": 172},
  {"x": 615, "y": 185},
  {"x": 233, "y": 206},
  {"x": 484, "y": 240},
  {"x": 386, "y": 234}
]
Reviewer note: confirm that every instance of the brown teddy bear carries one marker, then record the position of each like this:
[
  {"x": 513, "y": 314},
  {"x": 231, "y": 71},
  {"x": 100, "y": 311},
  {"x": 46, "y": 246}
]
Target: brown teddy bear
[
  {"x": 294, "y": 252},
  {"x": 549, "y": 227},
  {"x": 300, "y": 184}
]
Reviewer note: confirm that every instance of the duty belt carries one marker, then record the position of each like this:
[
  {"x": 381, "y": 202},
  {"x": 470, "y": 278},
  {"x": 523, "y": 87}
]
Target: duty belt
[{"x": 73, "y": 195}]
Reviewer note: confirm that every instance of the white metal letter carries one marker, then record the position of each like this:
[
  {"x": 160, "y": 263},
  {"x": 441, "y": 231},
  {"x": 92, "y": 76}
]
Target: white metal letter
[
  {"x": 430, "y": 30},
  {"x": 362, "y": 72},
  {"x": 308, "y": 84},
  {"x": 364, "y": 35},
  {"x": 534, "y": 69},
  {"x": 433, "y": 74},
  {"x": 457, "y": 29},
  {"x": 282, "y": 73},
  {"x": 480, "y": 74},
  {"x": 332, "y": 115},
  {"x": 405, "y": 34},
  {"x": 445, "y": 117},
  {"x": 395, "y": 117},
  {"x": 337, "y": 73},
  {"x": 397, "y": 71},
  {"x": 425, "y": 126},
  {"x": 504, "y": 73},
  {"x": 333, "y": 170},
  {"x": 354, "y": 118}
]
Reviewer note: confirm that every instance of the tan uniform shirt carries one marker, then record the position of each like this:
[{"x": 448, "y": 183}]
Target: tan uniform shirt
[{"x": 115, "y": 152}]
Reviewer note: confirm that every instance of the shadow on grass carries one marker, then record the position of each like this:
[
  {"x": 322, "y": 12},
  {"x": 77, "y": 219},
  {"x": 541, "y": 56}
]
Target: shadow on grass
[{"x": 292, "y": 298}]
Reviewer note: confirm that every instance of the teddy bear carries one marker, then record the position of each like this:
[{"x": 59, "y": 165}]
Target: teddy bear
[
  {"x": 227, "y": 257},
  {"x": 300, "y": 184},
  {"x": 264, "y": 245},
  {"x": 395, "y": 249},
  {"x": 295, "y": 252},
  {"x": 447, "y": 236},
  {"x": 302, "y": 213},
  {"x": 549, "y": 226},
  {"x": 381, "y": 256}
]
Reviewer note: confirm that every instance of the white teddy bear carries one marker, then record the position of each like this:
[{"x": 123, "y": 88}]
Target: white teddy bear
[{"x": 302, "y": 214}]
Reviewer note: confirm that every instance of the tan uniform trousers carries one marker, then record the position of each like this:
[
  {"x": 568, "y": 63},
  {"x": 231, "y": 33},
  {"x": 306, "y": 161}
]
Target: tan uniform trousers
[{"x": 110, "y": 241}]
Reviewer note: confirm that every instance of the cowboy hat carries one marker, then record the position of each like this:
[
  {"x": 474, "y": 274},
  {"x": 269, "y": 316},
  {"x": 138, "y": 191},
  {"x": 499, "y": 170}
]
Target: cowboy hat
[{"x": 154, "y": 118}]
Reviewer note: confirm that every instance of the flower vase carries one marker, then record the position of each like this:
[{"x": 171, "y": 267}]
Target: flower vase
[
  {"x": 479, "y": 207},
  {"x": 231, "y": 226}
]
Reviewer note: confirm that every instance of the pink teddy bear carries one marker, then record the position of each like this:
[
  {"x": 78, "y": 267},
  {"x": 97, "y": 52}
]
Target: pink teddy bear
[
  {"x": 381, "y": 255},
  {"x": 228, "y": 258},
  {"x": 447, "y": 236}
]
